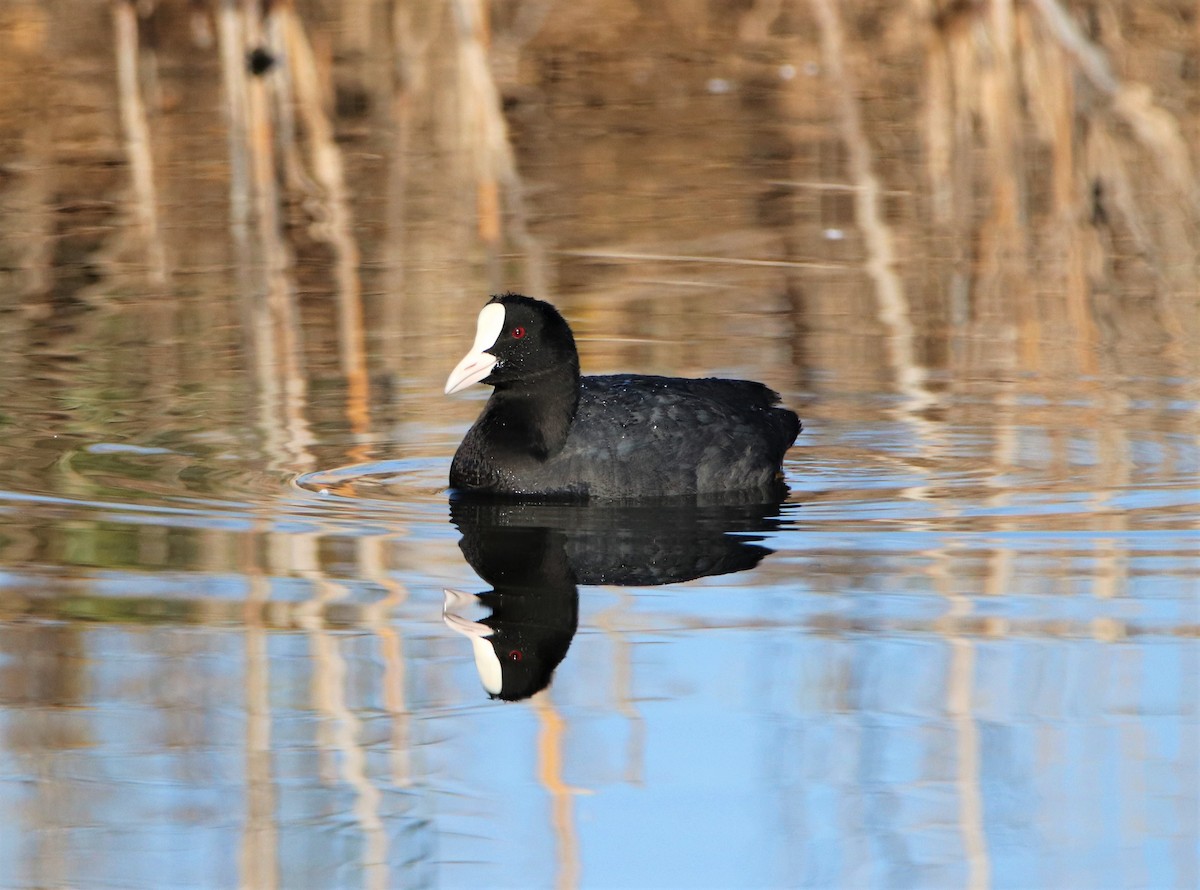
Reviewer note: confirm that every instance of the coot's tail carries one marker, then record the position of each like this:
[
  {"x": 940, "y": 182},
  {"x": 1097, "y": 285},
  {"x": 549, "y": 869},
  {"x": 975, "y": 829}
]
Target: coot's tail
[
  {"x": 783, "y": 423},
  {"x": 787, "y": 426}
]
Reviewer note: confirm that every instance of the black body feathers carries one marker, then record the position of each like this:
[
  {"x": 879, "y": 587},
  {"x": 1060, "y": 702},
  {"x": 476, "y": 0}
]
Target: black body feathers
[{"x": 547, "y": 432}]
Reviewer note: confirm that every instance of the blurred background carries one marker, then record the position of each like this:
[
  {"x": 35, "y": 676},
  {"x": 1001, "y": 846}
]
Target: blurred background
[{"x": 242, "y": 244}]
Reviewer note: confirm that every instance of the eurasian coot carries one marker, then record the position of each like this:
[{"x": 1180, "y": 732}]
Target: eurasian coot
[{"x": 548, "y": 432}]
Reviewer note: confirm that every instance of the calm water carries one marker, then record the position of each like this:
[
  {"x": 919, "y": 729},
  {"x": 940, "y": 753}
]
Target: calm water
[{"x": 239, "y": 618}]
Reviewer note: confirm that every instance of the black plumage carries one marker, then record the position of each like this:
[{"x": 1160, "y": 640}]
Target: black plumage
[{"x": 549, "y": 432}]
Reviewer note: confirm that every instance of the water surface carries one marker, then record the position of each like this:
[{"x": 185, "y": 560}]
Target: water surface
[{"x": 240, "y": 618}]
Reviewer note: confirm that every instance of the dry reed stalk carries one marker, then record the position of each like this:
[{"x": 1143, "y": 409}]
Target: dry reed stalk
[
  {"x": 28, "y": 200},
  {"x": 999, "y": 95},
  {"x": 636, "y": 257},
  {"x": 137, "y": 137},
  {"x": 892, "y": 303},
  {"x": 1048, "y": 50},
  {"x": 1040, "y": 88},
  {"x": 259, "y": 860},
  {"x": 1003, "y": 286},
  {"x": 372, "y": 560},
  {"x": 406, "y": 54},
  {"x": 1153, "y": 127},
  {"x": 336, "y": 225},
  {"x": 341, "y": 728},
  {"x": 550, "y": 746},
  {"x": 939, "y": 128},
  {"x": 483, "y": 124},
  {"x": 624, "y": 696},
  {"x": 231, "y": 43},
  {"x": 268, "y": 298}
]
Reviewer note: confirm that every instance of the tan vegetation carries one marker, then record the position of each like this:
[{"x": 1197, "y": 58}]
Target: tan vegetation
[{"x": 985, "y": 188}]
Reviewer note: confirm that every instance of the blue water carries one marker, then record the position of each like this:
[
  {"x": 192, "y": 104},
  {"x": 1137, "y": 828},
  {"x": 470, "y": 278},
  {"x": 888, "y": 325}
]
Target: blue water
[{"x": 902, "y": 692}]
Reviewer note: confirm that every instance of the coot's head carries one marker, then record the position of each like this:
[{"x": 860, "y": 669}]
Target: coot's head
[{"x": 517, "y": 339}]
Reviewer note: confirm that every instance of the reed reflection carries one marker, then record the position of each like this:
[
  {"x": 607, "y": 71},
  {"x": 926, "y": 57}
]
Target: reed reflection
[{"x": 536, "y": 556}]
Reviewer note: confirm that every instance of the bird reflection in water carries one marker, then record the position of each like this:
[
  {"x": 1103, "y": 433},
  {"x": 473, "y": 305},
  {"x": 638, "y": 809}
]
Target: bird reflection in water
[{"x": 535, "y": 556}]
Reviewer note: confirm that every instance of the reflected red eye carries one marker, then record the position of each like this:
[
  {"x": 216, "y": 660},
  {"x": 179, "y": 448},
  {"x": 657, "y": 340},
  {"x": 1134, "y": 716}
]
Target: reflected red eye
[
  {"x": 515, "y": 655},
  {"x": 518, "y": 332}
]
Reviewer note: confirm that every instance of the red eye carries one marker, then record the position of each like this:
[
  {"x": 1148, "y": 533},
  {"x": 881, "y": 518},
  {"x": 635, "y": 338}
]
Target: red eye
[
  {"x": 515, "y": 655},
  {"x": 518, "y": 332}
]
